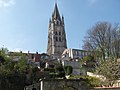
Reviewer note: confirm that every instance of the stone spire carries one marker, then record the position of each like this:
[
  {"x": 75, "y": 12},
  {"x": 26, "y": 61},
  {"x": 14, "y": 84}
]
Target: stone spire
[
  {"x": 56, "y": 35},
  {"x": 56, "y": 14}
]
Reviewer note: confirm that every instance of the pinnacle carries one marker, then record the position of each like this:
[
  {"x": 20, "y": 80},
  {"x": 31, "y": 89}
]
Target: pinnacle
[{"x": 56, "y": 14}]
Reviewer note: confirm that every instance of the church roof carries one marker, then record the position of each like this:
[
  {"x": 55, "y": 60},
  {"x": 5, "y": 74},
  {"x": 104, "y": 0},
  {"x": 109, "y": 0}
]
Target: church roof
[{"x": 56, "y": 14}]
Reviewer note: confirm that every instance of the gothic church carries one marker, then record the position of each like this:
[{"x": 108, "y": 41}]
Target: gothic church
[{"x": 56, "y": 35}]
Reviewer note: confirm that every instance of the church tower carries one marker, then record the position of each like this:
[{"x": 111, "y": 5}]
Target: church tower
[{"x": 56, "y": 35}]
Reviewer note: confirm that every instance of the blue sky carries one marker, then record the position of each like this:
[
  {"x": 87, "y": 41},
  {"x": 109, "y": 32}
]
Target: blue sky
[{"x": 24, "y": 23}]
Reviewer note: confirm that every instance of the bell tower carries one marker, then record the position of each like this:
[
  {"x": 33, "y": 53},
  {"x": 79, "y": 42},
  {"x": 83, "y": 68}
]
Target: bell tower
[{"x": 56, "y": 35}]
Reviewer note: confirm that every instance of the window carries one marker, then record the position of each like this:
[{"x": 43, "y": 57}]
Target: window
[
  {"x": 56, "y": 38},
  {"x": 58, "y": 22},
  {"x": 32, "y": 56},
  {"x": 59, "y": 33},
  {"x": 56, "y": 33},
  {"x": 60, "y": 39},
  {"x": 76, "y": 52}
]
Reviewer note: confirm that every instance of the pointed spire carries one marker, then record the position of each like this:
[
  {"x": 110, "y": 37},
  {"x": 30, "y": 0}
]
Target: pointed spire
[
  {"x": 62, "y": 17},
  {"x": 49, "y": 20},
  {"x": 56, "y": 14},
  {"x": 62, "y": 20}
]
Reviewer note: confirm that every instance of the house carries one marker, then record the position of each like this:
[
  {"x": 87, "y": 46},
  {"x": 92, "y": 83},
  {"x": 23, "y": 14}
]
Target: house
[{"x": 73, "y": 57}]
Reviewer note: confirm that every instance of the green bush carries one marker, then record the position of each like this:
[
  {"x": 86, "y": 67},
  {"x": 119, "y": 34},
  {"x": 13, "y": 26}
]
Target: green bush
[
  {"x": 35, "y": 69},
  {"x": 12, "y": 82},
  {"x": 60, "y": 71},
  {"x": 91, "y": 81},
  {"x": 51, "y": 70},
  {"x": 68, "y": 70}
]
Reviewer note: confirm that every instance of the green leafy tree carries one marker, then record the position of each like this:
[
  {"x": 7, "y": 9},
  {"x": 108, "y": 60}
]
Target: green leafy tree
[
  {"x": 2, "y": 60},
  {"x": 4, "y": 55},
  {"x": 35, "y": 76},
  {"x": 22, "y": 64},
  {"x": 3, "y": 51},
  {"x": 12, "y": 74}
]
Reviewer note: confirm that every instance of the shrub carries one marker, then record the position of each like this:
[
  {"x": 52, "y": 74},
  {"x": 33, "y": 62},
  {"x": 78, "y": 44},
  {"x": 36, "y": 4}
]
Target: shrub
[
  {"x": 51, "y": 70},
  {"x": 91, "y": 81},
  {"x": 60, "y": 71},
  {"x": 68, "y": 70}
]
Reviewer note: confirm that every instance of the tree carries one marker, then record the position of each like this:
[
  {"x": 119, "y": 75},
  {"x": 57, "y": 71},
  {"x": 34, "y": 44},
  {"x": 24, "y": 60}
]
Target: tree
[
  {"x": 3, "y": 55},
  {"x": 116, "y": 43},
  {"x": 89, "y": 62},
  {"x": 5, "y": 62},
  {"x": 109, "y": 69},
  {"x": 35, "y": 74},
  {"x": 3, "y": 51},
  {"x": 2, "y": 60},
  {"x": 12, "y": 74},
  {"x": 22, "y": 64},
  {"x": 103, "y": 38}
]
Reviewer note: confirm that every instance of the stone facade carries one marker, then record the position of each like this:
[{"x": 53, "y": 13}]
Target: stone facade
[
  {"x": 73, "y": 57},
  {"x": 76, "y": 65},
  {"x": 56, "y": 35},
  {"x": 74, "y": 54}
]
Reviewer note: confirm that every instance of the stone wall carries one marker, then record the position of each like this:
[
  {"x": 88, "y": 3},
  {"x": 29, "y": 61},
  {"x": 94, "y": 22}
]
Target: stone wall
[
  {"x": 59, "y": 84},
  {"x": 30, "y": 87},
  {"x": 63, "y": 84}
]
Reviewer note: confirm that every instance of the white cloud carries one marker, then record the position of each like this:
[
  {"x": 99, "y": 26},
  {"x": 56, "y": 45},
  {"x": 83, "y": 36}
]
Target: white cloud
[{"x": 6, "y": 3}]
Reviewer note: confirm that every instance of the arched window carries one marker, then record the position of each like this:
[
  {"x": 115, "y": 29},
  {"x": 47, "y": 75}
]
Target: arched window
[
  {"x": 56, "y": 38},
  {"x": 59, "y": 33},
  {"x": 56, "y": 33},
  {"x": 60, "y": 39},
  {"x": 58, "y": 22}
]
